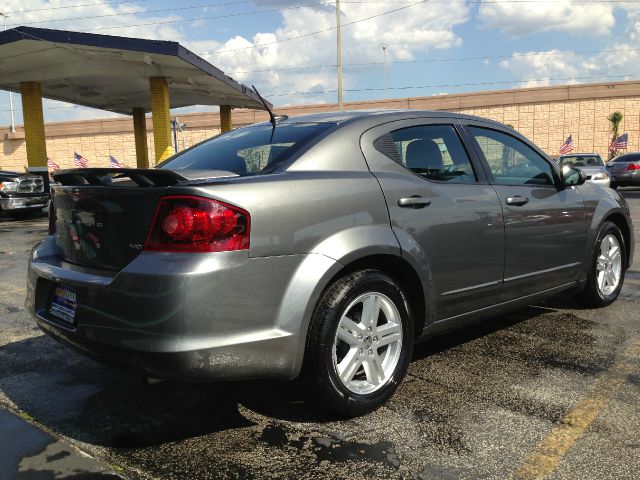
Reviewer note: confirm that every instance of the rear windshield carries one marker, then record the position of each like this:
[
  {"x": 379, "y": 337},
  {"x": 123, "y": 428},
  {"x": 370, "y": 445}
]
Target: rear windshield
[
  {"x": 247, "y": 151},
  {"x": 631, "y": 157},
  {"x": 582, "y": 161}
]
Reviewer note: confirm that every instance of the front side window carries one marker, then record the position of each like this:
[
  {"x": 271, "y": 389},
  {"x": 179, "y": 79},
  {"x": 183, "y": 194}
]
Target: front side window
[
  {"x": 511, "y": 161},
  {"x": 248, "y": 151},
  {"x": 432, "y": 151}
]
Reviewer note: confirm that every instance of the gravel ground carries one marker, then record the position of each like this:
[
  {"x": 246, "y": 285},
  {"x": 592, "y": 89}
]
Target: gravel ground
[{"x": 478, "y": 403}]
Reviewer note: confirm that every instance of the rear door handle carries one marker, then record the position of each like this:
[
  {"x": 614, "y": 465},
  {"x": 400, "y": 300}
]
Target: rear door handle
[
  {"x": 414, "y": 202},
  {"x": 517, "y": 200}
]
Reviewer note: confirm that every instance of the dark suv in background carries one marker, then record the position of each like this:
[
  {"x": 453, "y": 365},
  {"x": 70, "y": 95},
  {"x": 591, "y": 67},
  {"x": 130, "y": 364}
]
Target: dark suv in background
[{"x": 21, "y": 193}]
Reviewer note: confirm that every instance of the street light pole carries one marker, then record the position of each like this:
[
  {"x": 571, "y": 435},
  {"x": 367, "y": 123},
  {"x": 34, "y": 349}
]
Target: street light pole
[
  {"x": 384, "y": 53},
  {"x": 13, "y": 122},
  {"x": 339, "y": 34}
]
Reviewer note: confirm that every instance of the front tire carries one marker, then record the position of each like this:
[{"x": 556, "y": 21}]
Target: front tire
[
  {"x": 607, "y": 269},
  {"x": 360, "y": 343}
]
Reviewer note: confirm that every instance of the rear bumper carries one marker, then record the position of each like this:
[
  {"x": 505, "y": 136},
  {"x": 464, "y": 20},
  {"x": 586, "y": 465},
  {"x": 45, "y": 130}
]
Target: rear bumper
[
  {"x": 184, "y": 317},
  {"x": 625, "y": 179},
  {"x": 9, "y": 204}
]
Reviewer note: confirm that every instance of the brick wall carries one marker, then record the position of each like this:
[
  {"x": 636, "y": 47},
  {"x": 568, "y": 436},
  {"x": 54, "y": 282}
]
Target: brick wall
[{"x": 546, "y": 115}]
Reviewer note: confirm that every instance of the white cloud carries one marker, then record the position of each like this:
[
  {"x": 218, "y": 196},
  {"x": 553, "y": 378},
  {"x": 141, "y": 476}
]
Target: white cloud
[
  {"x": 524, "y": 18},
  {"x": 619, "y": 60},
  {"x": 407, "y": 33},
  {"x": 99, "y": 18}
]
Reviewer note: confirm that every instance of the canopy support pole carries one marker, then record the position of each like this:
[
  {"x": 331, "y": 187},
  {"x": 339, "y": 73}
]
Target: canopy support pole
[
  {"x": 225, "y": 118},
  {"x": 34, "y": 126},
  {"x": 140, "y": 135},
  {"x": 161, "y": 117}
]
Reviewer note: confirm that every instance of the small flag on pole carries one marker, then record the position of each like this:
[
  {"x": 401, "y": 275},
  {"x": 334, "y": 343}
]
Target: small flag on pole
[
  {"x": 52, "y": 165},
  {"x": 567, "y": 146},
  {"x": 79, "y": 161},
  {"x": 115, "y": 163},
  {"x": 620, "y": 143}
]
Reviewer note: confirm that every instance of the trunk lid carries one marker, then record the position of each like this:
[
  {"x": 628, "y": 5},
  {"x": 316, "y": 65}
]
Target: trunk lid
[
  {"x": 103, "y": 216},
  {"x": 617, "y": 166},
  {"x": 102, "y": 227}
]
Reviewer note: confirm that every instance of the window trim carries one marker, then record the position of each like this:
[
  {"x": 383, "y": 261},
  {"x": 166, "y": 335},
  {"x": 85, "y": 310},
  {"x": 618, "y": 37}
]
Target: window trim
[
  {"x": 454, "y": 123},
  {"x": 557, "y": 182}
]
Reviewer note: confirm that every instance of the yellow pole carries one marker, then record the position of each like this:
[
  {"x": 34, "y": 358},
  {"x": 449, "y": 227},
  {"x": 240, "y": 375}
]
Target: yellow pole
[
  {"x": 140, "y": 135},
  {"x": 225, "y": 118},
  {"x": 34, "y": 126},
  {"x": 161, "y": 118}
]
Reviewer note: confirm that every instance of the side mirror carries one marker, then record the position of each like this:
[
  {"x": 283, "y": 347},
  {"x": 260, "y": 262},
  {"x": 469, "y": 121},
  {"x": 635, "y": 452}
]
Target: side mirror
[{"x": 572, "y": 176}]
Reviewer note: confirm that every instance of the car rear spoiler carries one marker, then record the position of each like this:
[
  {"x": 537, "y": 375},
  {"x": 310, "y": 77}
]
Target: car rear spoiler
[{"x": 144, "y": 177}]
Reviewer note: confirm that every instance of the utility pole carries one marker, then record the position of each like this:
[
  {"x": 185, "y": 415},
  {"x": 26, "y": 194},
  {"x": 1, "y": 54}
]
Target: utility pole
[
  {"x": 339, "y": 34},
  {"x": 13, "y": 122},
  {"x": 384, "y": 54}
]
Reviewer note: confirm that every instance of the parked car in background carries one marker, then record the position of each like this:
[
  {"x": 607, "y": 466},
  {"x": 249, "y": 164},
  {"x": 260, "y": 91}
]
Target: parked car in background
[
  {"x": 625, "y": 170},
  {"x": 21, "y": 193},
  {"x": 590, "y": 163},
  {"x": 324, "y": 245}
]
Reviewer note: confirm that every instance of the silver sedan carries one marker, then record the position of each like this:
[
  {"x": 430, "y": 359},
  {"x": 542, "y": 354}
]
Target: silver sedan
[{"x": 323, "y": 245}]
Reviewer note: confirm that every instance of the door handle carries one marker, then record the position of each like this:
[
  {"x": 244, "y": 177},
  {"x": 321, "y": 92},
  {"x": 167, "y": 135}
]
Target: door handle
[
  {"x": 517, "y": 200},
  {"x": 414, "y": 202}
]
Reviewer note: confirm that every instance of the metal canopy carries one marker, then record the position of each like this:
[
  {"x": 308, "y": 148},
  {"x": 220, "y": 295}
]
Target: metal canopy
[{"x": 112, "y": 73}]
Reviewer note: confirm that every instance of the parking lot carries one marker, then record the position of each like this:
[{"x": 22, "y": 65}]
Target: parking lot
[{"x": 552, "y": 390}]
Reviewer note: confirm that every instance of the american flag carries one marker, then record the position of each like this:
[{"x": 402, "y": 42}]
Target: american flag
[
  {"x": 567, "y": 146},
  {"x": 52, "y": 165},
  {"x": 115, "y": 163},
  {"x": 620, "y": 143},
  {"x": 79, "y": 161}
]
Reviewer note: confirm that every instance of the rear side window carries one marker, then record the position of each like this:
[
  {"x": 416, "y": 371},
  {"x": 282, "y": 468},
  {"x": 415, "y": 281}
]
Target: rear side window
[
  {"x": 511, "y": 161},
  {"x": 432, "y": 151},
  {"x": 248, "y": 151}
]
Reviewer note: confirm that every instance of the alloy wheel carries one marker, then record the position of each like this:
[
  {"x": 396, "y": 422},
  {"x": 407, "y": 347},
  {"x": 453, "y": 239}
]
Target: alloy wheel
[
  {"x": 609, "y": 265},
  {"x": 368, "y": 343}
]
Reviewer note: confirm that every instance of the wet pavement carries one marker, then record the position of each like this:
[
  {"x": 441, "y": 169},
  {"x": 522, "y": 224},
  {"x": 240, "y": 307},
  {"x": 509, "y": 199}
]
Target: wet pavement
[{"x": 550, "y": 390}]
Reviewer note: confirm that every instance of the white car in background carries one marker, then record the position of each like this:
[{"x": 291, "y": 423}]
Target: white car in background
[{"x": 591, "y": 164}]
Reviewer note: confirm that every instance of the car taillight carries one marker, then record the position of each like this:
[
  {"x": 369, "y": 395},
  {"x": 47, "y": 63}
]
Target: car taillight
[
  {"x": 633, "y": 166},
  {"x": 197, "y": 224},
  {"x": 52, "y": 218}
]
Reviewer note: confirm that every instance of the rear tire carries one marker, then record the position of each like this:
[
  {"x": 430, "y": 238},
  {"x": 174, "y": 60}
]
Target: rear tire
[
  {"x": 360, "y": 343},
  {"x": 614, "y": 186},
  {"x": 607, "y": 268}
]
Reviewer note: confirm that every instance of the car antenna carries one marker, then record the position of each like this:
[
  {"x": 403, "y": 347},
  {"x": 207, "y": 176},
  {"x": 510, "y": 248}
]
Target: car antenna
[{"x": 273, "y": 118}]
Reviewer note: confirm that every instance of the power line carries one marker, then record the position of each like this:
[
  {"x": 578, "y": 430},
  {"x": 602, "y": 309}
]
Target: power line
[
  {"x": 121, "y": 14},
  {"x": 443, "y": 85},
  {"x": 73, "y": 6},
  {"x": 193, "y": 7},
  {"x": 309, "y": 34},
  {"x": 412, "y": 87},
  {"x": 97, "y": 4},
  {"x": 438, "y": 60}
]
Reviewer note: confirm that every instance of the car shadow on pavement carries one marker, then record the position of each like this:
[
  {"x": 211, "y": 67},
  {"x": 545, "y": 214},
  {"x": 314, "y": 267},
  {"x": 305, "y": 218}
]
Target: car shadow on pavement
[{"x": 100, "y": 405}]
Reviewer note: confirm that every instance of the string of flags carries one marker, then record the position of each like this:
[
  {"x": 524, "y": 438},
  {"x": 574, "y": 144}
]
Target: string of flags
[
  {"x": 81, "y": 162},
  {"x": 620, "y": 143}
]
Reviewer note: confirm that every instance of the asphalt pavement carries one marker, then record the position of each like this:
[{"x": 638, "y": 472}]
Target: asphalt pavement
[{"x": 549, "y": 391}]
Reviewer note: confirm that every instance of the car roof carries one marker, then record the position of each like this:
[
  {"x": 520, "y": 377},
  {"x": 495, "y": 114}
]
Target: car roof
[
  {"x": 580, "y": 155},
  {"x": 353, "y": 116}
]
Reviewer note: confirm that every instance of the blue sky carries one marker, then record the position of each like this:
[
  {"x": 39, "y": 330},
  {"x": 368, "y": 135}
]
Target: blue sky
[{"x": 535, "y": 43}]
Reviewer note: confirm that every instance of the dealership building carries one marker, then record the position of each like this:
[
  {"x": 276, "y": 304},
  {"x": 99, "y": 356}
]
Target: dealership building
[{"x": 546, "y": 115}]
